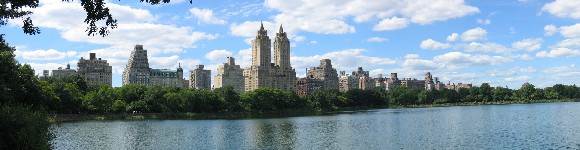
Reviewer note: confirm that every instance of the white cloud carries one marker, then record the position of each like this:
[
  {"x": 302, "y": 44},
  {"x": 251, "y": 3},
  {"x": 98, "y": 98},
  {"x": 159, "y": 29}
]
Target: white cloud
[
  {"x": 563, "y": 8},
  {"x": 50, "y": 54},
  {"x": 524, "y": 57},
  {"x": 528, "y": 44},
  {"x": 419, "y": 64},
  {"x": 559, "y": 52},
  {"x": 502, "y": 73},
  {"x": 205, "y": 16},
  {"x": 431, "y": 44},
  {"x": 518, "y": 79},
  {"x": 484, "y": 21},
  {"x": 348, "y": 59},
  {"x": 331, "y": 16},
  {"x": 569, "y": 43},
  {"x": 39, "y": 67},
  {"x": 217, "y": 55},
  {"x": 488, "y": 47},
  {"x": 250, "y": 28},
  {"x": 458, "y": 60},
  {"x": 528, "y": 70},
  {"x": 474, "y": 34},
  {"x": 377, "y": 39},
  {"x": 134, "y": 25},
  {"x": 550, "y": 30},
  {"x": 452, "y": 37},
  {"x": 412, "y": 56},
  {"x": 572, "y": 31},
  {"x": 391, "y": 24},
  {"x": 561, "y": 69},
  {"x": 313, "y": 42}
]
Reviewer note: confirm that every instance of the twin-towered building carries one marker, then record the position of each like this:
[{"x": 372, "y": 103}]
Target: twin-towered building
[{"x": 264, "y": 73}]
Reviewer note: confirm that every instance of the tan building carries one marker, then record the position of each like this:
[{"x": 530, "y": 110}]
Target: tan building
[
  {"x": 95, "y": 70},
  {"x": 308, "y": 85},
  {"x": 347, "y": 82},
  {"x": 263, "y": 73},
  {"x": 359, "y": 79},
  {"x": 324, "y": 73},
  {"x": 59, "y": 73},
  {"x": 200, "y": 79},
  {"x": 230, "y": 74},
  {"x": 137, "y": 71}
]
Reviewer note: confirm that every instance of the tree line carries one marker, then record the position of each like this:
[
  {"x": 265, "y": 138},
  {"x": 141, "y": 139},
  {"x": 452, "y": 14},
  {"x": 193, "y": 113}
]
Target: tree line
[{"x": 72, "y": 95}]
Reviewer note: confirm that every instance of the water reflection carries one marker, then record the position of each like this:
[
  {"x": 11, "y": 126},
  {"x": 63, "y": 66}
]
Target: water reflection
[{"x": 529, "y": 126}]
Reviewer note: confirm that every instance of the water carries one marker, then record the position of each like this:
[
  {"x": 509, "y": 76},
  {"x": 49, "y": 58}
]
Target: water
[{"x": 517, "y": 126}]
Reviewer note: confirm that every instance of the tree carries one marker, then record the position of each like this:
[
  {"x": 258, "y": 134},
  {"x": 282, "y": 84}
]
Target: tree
[
  {"x": 526, "y": 91},
  {"x": 23, "y": 119},
  {"x": 230, "y": 97},
  {"x": 119, "y": 106},
  {"x": 501, "y": 94},
  {"x": 485, "y": 92}
]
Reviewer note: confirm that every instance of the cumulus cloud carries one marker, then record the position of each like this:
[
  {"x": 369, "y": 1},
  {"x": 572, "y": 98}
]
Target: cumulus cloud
[
  {"x": 412, "y": 56},
  {"x": 452, "y": 37},
  {"x": 50, "y": 54},
  {"x": 528, "y": 44},
  {"x": 484, "y": 21},
  {"x": 475, "y": 34},
  {"x": 391, "y": 24},
  {"x": 559, "y": 52},
  {"x": 563, "y": 8},
  {"x": 550, "y": 30},
  {"x": 419, "y": 64},
  {"x": 205, "y": 16},
  {"x": 458, "y": 60},
  {"x": 431, "y": 44},
  {"x": 569, "y": 43},
  {"x": 572, "y": 31},
  {"x": 134, "y": 25},
  {"x": 518, "y": 79},
  {"x": 348, "y": 59},
  {"x": 217, "y": 55},
  {"x": 488, "y": 47},
  {"x": 332, "y": 16},
  {"x": 377, "y": 39}
]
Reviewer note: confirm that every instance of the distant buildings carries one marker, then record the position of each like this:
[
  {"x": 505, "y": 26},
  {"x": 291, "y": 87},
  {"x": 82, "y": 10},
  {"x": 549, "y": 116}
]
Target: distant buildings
[
  {"x": 137, "y": 71},
  {"x": 321, "y": 77},
  {"x": 62, "y": 72},
  {"x": 95, "y": 70},
  {"x": 263, "y": 73},
  {"x": 200, "y": 79},
  {"x": 230, "y": 74}
]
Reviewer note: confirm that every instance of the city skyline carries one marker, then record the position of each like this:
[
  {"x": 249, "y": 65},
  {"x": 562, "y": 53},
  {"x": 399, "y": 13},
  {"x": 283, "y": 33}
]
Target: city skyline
[{"x": 502, "y": 43}]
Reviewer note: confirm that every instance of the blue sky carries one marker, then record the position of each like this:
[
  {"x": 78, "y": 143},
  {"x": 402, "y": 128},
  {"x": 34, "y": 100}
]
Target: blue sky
[{"x": 501, "y": 42}]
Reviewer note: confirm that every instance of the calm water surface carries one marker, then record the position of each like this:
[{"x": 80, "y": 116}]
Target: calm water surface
[{"x": 517, "y": 126}]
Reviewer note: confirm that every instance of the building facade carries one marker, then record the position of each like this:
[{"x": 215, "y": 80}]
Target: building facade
[
  {"x": 324, "y": 73},
  {"x": 200, "y": 79},
  {"x": 59, "y": 73},
  {"x": 263, "y": 73},
  {"x": 308, "y": 85},
  {"x": 95, "y": 70},
  {"x": 138, "y": 71},
  {"x": 230, "y": 74}
]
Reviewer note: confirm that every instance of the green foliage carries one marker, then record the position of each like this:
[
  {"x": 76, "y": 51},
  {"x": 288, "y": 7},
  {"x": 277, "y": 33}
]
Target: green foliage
[
  {"x": 23, "y": 121},
  {"x": 403, "y": 96},
  {"x": 23, "y": 128},
  {"x": 119, "y": 106}
]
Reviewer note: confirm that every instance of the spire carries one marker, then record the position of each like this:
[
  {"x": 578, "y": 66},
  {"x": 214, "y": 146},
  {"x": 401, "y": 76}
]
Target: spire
[
  {"x": 261, "y": 25},
  {"x": 179, "y": 65},
  {"x": 281, "y": 29}
]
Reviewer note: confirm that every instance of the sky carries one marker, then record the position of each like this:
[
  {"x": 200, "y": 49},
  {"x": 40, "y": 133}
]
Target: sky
[{"x": 501, "y": 42}]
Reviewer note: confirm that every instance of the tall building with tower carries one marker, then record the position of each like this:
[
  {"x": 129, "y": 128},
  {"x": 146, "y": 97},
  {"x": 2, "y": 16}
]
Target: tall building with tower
[{"x": 264, "y": 73}]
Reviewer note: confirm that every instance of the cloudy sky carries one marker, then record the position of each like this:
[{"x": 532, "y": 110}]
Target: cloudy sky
[{"x": 502, "y": 42}]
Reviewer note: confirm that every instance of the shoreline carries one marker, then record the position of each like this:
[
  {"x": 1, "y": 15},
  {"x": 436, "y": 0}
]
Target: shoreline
[{"x": 60, "y": 118}]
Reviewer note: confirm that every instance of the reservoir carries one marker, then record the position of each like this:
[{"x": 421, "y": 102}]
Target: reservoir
[{"x": 515, "y": 126}]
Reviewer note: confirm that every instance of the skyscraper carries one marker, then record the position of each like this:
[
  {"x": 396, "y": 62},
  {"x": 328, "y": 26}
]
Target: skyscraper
[
  {"x": 95, "y": 70},
  {"x": 230, "y": 74},
  {"x": 264, "y": 73}
]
